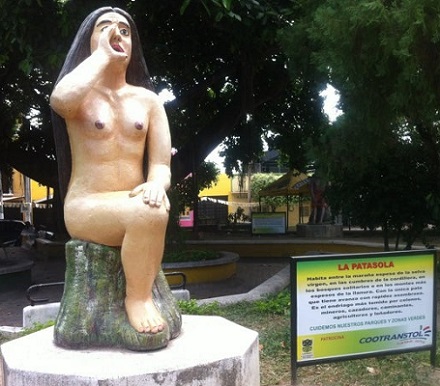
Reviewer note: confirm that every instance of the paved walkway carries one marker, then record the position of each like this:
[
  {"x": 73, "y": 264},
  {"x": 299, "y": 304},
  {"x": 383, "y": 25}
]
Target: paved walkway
[
  {"x": 251, "y": 272},
  {"x": 251, "y": 278}
]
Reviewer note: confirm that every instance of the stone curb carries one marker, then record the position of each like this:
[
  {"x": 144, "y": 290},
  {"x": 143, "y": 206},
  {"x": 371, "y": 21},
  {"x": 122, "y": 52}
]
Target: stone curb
[{"x": 271, "y": 286}]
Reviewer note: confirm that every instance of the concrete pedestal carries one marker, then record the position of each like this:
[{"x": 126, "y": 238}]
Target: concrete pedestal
[
  {"x": 211, "y": 351},
  {"x": 319, "y": 231}
]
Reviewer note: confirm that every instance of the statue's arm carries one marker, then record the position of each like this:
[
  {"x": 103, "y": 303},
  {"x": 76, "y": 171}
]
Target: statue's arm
[
  {"x": 158, "y": 145},
  {"x": 159, "y": 157},
  {"x": 70, "y": 91}
]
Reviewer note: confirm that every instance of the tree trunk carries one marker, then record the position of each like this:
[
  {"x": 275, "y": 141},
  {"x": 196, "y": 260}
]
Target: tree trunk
[
  {"x": 386, "y": 240},
  {"x": 92, "y": 312}
]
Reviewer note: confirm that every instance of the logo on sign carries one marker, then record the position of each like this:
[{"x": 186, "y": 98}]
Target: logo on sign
[{"x": 424, "y": 333}]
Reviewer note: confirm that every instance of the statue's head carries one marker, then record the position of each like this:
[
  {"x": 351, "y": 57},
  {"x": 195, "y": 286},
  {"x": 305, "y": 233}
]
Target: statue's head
[{"x": 137, "y": 73}]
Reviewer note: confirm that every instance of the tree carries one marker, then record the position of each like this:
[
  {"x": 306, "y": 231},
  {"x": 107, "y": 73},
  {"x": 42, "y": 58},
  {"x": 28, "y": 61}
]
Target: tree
[
  {"x": 29, "y": 52},
  {"x": 188, "y": 189},
  {"x": 383, "y": 57},
  {"x": 388, "y": 191},
  {"x": 240, "y": 77},
  {"x": 221, "y": 60},
  {"x": 260, "y": 181},
  {"x": 185, "y": 194}
]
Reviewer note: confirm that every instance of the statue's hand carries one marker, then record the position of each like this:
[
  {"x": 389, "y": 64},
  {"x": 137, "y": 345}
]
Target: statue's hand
[
  {"x": 111, "y": 44},
  {"x": 153, "y": 194}
]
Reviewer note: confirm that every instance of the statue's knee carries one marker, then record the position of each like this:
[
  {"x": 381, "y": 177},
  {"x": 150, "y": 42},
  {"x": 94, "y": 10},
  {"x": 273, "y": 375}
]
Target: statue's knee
[{"x": 155, "y": 217}]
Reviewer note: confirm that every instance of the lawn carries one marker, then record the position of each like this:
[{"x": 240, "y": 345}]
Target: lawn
[{"x": 271, "y": 318}]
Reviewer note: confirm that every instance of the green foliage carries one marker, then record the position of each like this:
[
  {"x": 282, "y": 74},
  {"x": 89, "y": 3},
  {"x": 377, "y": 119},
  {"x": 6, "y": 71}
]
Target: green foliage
[
  {"x": 192, "y": 308},
  {"x": 27, "y": 61},
  {"x": 183, "y": 195},
  {"x": 259, "y": 182},
  {"x": 37, "y": 327},
  {"x": 278, "y": 304},
  {"x": 222, "y": 8},
  {"x": 221, "y": 59},
  {"x": 433, "y": 203},
  {"x": 26, "y": 331},
  {"x": 388, "y": 191},
  {"x": 238, "y": 217},
  {"x": 186, "y": 191},
  {"x": 410, "y": 369},
  {"x": 382, "y": 156},
  {"x": 272, "y": 321},
  {"x": 272, "y": 324},
  {"x": 238, "y": 81}
]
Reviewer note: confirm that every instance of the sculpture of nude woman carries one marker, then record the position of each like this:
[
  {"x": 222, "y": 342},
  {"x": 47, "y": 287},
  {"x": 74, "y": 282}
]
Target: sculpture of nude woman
[{"x": 112, "y": 119}]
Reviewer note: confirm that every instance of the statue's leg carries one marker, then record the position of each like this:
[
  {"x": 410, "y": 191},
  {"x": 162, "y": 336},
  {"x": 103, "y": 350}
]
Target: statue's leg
[
  {"x": 92, "y": 311},
  {"x": 141, "y": 253},
  {"x": 115, "y": 220}
]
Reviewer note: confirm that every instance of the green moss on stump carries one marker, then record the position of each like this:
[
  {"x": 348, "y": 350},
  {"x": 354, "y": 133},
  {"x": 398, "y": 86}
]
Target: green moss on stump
[{"x": 92, "y": 312}]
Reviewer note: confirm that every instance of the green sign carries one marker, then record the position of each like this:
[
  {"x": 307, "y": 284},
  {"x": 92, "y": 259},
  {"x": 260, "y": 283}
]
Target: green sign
[
  {"x": 350, "y": 306},
  {"x": 268, "y": 222}
]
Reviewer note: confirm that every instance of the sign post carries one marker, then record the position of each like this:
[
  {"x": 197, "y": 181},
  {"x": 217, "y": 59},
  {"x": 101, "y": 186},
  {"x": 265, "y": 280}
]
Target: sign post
[{"x": 362, "y": 305}]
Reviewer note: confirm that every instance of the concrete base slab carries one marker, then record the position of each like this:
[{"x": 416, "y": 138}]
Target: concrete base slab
[{"x": 211, "y": 351}]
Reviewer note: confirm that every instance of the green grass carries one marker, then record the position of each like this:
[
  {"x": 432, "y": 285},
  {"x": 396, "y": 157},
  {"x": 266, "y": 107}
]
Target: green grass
[
  {"x": 394, "y": 370},
  {"x": 271, "y": 318},
  {"x": 36, "y": 327},
  {"x": 267, "y": 317}
]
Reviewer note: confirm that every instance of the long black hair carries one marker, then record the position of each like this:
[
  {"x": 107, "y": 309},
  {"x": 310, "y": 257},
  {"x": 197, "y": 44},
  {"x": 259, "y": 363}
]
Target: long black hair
[{"x": 137, "y": 74}]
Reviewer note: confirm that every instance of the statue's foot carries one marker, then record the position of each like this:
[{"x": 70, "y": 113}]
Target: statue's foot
[{"x": 144, "y": 316}]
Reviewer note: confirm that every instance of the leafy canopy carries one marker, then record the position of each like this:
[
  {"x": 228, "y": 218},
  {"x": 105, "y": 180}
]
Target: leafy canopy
[
  {"x": 221, "y": 60},
  {"x": 383, "y": 155}
]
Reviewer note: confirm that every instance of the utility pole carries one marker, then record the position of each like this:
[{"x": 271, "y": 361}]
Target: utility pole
[
  {"x": 27, "y": 206},
  {"x": 249, "y": 193}
]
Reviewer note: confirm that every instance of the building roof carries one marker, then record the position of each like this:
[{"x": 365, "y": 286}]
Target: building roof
[{"x": 290, "y": 184}]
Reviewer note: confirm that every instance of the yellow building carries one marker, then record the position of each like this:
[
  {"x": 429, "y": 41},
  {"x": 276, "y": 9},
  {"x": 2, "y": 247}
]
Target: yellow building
[
  {"x": 233, "y": 193},
  {"x": 226, "y": 198},
  {"x": 38, "y": 192},
  {"x": 14, "y": 197}
]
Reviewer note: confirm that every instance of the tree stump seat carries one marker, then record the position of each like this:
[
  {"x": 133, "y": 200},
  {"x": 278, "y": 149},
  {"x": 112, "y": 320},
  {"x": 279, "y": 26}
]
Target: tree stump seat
[{"x": 92, "y": 311}]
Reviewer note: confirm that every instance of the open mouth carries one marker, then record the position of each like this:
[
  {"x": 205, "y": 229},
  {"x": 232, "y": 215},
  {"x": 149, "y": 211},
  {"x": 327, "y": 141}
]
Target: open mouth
[{"x": 117, "y": 48}]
